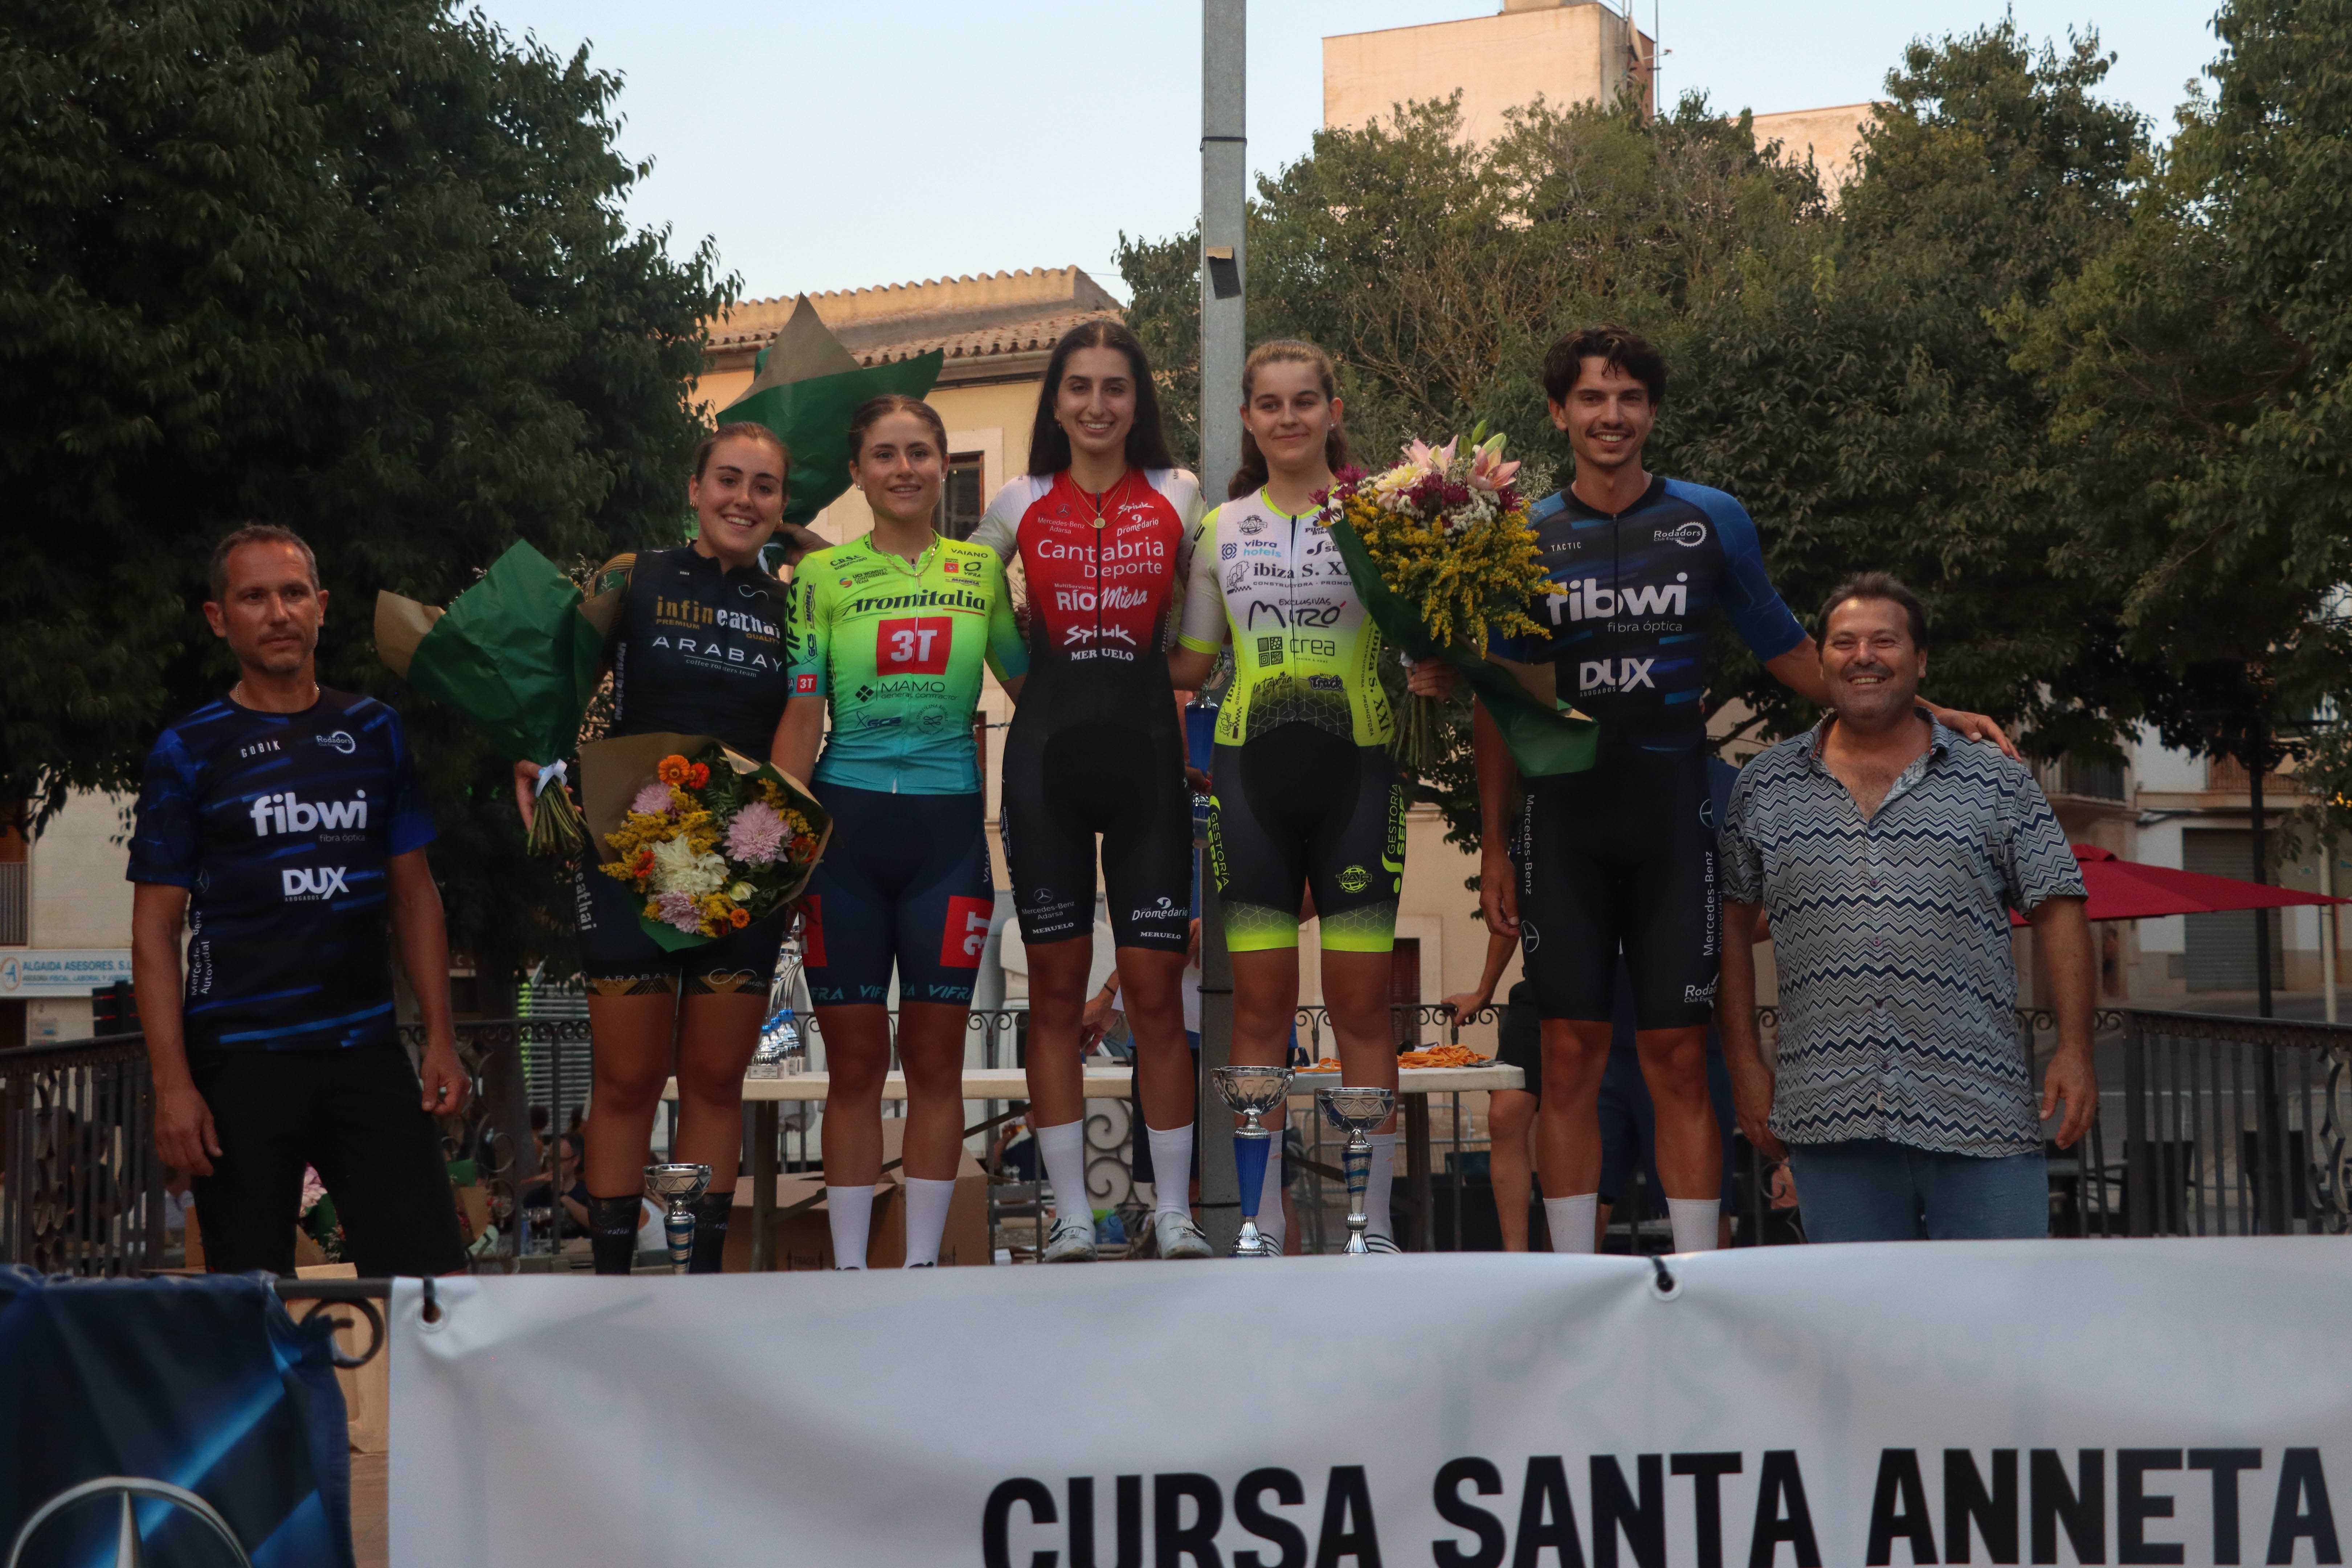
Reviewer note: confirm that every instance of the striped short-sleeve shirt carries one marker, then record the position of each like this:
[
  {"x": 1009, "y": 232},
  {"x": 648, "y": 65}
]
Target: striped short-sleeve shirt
[{"x": 1891, "y": 937}]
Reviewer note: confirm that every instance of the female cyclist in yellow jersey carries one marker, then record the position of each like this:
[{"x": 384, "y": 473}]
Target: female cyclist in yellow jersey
[{"x": 1306, "y": 801}]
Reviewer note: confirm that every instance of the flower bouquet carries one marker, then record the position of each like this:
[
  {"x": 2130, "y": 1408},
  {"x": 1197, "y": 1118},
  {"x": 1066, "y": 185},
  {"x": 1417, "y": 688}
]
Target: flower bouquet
[
  {"x": 709, "y": 840},
  {"x": 1440, "y": 551}
]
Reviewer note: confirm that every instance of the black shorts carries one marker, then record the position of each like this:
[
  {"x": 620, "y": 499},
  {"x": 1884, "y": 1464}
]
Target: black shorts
[
  {"x": 1063, "y": 787},
  {"x": 1297, "y": 810},
  {"x": 904, "y": 885},
  {"x": 1519, "y": 1035},
  {"x": 618, "y": 959},
  {"x": 1621, "y": 856},
  {"x": 355, "y": 1115}
]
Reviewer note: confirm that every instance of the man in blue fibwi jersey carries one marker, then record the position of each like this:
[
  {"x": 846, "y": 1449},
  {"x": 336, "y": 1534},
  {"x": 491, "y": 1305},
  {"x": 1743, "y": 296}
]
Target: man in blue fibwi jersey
[
  {"x": 1624, "y": 856},
  {"x": 280, "y": 824}
]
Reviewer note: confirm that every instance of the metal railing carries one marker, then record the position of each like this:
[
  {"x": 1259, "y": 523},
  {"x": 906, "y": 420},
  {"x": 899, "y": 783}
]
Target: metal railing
[
  {"x": 2210, "y": 1125},
  {"x": 81, "y": 1189}
]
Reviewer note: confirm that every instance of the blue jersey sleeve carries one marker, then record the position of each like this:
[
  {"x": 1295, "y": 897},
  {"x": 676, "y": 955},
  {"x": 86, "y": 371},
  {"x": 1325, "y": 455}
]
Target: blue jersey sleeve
[
  {"x": 410, "y": 825},
  {"x": 1746, "y": 594},
  {"x": 163, "y": 835}
]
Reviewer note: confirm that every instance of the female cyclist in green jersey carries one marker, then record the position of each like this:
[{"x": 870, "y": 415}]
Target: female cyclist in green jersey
[
  {"x": 891, "y": 631},
  {"x": 1305, "y": 802}
]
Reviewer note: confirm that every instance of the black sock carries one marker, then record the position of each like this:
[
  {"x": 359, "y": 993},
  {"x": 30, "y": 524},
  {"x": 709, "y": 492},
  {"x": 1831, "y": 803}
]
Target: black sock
[
  {"x": 613, "y": 1231},
  {"x": 711, "y": 1214}
]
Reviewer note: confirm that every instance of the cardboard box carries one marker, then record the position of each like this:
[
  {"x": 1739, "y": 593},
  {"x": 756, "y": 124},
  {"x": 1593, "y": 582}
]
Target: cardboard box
[
  {"x": 805, "y": 1240},
  {"x": 367, "y": 1390}
]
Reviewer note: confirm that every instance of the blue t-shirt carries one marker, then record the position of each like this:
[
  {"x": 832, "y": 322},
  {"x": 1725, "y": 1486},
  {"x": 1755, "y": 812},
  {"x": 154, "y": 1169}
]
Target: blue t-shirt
[
  {"x": 280, "y": 825},
  {"x": 1632, "y": 596}
]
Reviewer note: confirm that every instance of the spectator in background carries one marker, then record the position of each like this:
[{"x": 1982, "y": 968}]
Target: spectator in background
[
  {"x": 1510, "y": 1112},
  {"x": 1888, "y": 852},
  {"x": 280, "y": 824}
]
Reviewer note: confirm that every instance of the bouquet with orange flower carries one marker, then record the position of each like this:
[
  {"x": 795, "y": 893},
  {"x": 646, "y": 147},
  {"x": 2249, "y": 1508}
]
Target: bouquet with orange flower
[{"x": 709, "y": 839}]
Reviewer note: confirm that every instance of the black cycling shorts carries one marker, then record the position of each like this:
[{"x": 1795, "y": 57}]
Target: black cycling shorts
[
  {"x": 1063, "y": 787},
  {"x": 1621, "y": 856},
  {"x": 356, "y": 1115},
  {"x": 618, "y": 959},
  {"x": 904, "y": 884},
  {"x": 1300, "y": 810},
  {"x": 1519, "y": 1034}
]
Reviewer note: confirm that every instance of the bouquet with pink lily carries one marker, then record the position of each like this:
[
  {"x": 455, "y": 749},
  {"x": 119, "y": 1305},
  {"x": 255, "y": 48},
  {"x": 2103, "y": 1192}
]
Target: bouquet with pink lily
[{"x": 1441, "y": 554}]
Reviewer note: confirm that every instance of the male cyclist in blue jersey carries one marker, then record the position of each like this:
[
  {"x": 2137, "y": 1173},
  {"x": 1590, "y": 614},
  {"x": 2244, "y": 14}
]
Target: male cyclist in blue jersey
[{"x": 1623, "y": 857}]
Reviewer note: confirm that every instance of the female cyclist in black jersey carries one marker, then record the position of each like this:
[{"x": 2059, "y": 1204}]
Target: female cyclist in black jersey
[
  {"x": 1101, "y": 525},
  {"x": 891, "y": 632},
  {"x": 698, "y": 647},
  {"x": 1305, "y": 803}
]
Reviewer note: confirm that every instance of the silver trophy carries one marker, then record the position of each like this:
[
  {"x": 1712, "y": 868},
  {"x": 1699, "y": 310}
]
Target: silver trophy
[
  {"x": 1252, "y": 1093},
  {"x": 1355, "y": 1111},
  {"x": 676, "y": 1186},
  {"x": 782, "y": 1052}
]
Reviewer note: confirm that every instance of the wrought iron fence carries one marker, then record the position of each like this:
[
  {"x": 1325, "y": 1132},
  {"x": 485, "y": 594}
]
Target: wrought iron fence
[
  {"x": 81, "y": 1189},
  {"x": 2210, "y": 1125}
]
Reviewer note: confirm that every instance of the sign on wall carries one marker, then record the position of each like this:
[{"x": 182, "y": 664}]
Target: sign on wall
[{"x": 60, "y": 970}]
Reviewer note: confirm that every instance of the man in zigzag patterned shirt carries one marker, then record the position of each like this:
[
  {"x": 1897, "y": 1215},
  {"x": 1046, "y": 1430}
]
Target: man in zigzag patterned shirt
[{"x": 1888, "y": 852}]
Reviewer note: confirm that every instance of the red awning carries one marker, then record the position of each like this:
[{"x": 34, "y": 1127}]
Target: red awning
[{"x": 2132, "y": 890}]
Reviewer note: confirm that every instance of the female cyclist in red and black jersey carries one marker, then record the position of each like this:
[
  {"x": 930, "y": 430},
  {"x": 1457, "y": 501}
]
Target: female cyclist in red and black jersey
[{"x": 1100, "y": 526}]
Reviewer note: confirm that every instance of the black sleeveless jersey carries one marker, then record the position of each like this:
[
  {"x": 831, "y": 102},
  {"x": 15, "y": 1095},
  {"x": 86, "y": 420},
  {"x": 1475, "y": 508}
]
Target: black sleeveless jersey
[{"x": 696, "y": 648}]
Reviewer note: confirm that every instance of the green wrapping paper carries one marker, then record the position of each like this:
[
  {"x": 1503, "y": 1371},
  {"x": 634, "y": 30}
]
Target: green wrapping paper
[
  {"x": 514, "y": 654},
  {"x": 1546, "y": 737},
  {"x": 804, "y": 388}
]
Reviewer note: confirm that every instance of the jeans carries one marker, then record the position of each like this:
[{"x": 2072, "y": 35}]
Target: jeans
[{"x": 1872, "y": 1189}]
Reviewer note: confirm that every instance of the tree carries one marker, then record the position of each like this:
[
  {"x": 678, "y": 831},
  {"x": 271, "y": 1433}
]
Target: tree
[
  {"x": 1834, "y": 366},
  {"x": 355, "y": 267},
  {"x": 2203, "y": 413}
]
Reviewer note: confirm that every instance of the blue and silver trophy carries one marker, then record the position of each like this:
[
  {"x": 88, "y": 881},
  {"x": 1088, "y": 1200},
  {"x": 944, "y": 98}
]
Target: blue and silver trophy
[
  {"x": 1355, "y": 1111},
  {"x": 677, "y": 1187},
  {"x": 1252, "y": 1093}
]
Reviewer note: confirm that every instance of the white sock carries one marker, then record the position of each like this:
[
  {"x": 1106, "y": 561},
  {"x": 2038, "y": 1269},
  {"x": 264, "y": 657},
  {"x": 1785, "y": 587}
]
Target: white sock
[
  {"x": 1694, "y": 1220},
  {"x": 1171, "y": 1168},
  {"x": 1064, "y": 1150},
  {"x": 1572, "y": 1221},
  {"x": 1383, "y": 1183},
  {"x": 1270, "y": 1223},
  {"x": 851, "y": 1212},
  {"x": 927, "y": 1218}
]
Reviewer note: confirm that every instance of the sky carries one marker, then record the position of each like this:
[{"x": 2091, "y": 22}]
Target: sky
[{"x": 840, "y": 146}]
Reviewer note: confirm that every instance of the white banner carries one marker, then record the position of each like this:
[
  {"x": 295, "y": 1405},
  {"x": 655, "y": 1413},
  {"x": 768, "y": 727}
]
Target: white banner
[{"x": 2002, "y": 1401}]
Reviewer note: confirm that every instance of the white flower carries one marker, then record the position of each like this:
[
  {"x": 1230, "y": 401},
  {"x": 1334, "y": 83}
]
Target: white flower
[
  {"x": 740, "y": 891},
  {"x": 679, "y": 870}
]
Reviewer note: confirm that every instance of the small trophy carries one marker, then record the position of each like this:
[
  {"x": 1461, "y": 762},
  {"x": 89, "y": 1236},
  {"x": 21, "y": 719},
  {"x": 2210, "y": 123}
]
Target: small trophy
[
  {"x": 1355, "y": 1111},
  {"x": 677, "y": 1186},
  {"x": 782, "y": 1052},
  {"x": 1252, "y": 1092}
]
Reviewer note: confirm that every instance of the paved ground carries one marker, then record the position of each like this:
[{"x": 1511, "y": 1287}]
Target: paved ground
[{"x": 368, "y": 1509}]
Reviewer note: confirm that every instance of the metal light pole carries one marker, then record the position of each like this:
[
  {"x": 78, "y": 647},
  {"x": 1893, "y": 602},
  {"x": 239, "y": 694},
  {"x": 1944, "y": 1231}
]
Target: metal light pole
[{"x": 1224, "y": 165}]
